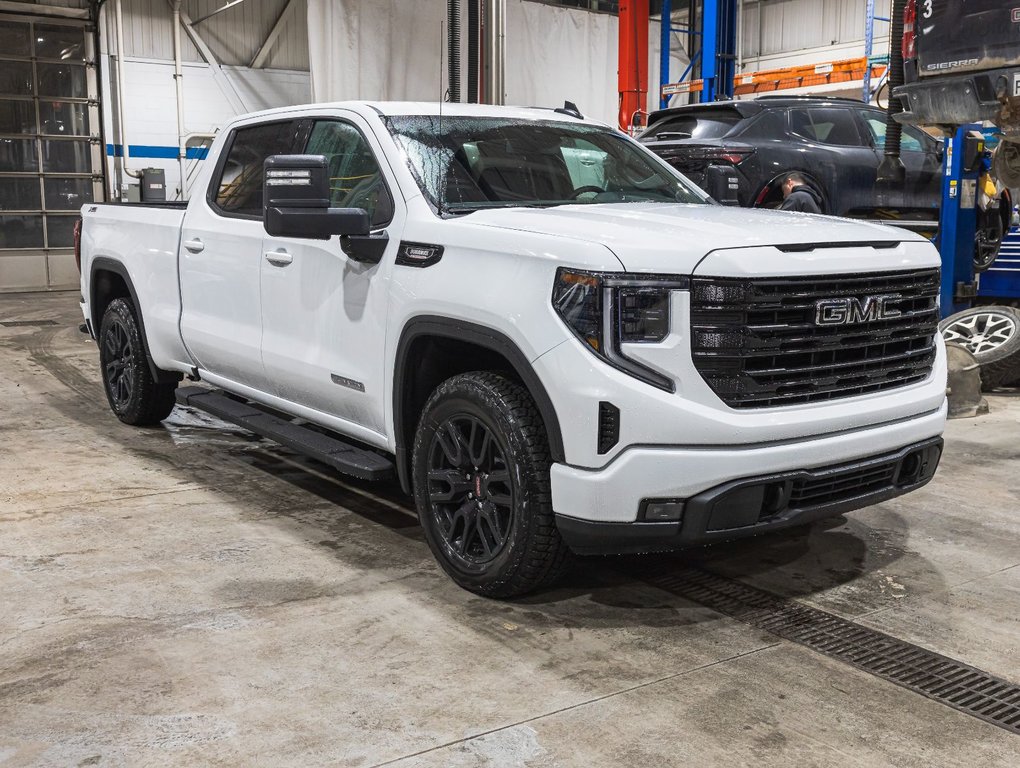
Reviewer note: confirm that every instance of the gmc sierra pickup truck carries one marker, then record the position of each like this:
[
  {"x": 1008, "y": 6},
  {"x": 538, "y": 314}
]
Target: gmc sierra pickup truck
[
  {"x": 553, "y": 339},
  {"x": 961, "y": 62}
]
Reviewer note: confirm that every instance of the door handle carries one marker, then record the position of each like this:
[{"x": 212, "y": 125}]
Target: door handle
[
  {"x": 279, "y": 258},
  {"x": 194, "y": 246}
]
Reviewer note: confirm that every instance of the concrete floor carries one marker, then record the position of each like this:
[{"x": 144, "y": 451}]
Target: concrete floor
[{"x": 190, "y": 595}]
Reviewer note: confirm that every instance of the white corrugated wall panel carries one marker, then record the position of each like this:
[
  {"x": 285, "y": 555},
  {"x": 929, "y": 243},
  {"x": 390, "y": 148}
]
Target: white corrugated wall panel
[
  {"x": 233, "y": 35},
  {"x": 291, "y": 49},
  {"x": 789, "y": 26}
]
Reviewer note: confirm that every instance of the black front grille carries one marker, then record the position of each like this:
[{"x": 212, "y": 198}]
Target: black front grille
[
  {"x": 757, "y": 344},
  {"x": 816, "y": 492}
]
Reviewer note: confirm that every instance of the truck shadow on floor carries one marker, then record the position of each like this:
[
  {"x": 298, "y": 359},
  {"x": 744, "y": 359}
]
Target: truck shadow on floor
[
  {"x": 268, "y": 478},
  {"x": 798, "y": 562}
]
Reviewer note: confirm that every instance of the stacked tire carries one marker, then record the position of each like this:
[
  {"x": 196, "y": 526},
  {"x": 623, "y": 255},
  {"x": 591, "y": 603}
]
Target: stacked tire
[{"x": 992, "y": 334}]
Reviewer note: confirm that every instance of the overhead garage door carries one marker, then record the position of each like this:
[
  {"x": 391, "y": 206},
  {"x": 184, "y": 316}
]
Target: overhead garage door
[{"x": 50, "y": 155}]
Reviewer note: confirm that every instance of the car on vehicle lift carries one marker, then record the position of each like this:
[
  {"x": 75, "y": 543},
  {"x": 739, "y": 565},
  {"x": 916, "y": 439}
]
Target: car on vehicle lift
[
  {"x": 961, "y": 61},
  {"x": 740, "y": 151}
]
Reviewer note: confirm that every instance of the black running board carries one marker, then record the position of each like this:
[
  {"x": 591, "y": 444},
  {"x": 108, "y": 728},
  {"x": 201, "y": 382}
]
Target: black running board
[{"x": 334, "y": 451}]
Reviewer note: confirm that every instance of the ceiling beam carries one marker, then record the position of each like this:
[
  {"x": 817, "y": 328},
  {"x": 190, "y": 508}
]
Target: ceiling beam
[
  {"x": 37, "y": 9},
  {"x": 218, "y": 11},
  {"x": 259, "y": 59}
]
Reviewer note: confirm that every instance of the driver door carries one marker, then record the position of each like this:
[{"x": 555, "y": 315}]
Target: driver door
[{"x": 324, "y": 314}]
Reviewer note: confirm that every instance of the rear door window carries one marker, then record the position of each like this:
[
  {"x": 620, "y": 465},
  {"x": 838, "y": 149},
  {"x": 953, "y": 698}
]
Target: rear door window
[
  {"x": 238, "y": 183},
  {"x": 912, "y": 140},
  {"x": 706, "y": 124},
  {"x": 770, "y": 124},
  {"x": 827, "y": 125}
]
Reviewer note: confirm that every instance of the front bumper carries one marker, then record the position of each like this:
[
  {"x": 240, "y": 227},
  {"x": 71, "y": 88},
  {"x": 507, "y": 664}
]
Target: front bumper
[
  {"x": 939, "y": 100},
  {"x": 614, "y": 493},
  {"x": 764, "y": 503}
]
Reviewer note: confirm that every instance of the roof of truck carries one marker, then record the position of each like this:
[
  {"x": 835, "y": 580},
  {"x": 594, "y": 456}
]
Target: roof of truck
[{"x": 434, "y": 108}]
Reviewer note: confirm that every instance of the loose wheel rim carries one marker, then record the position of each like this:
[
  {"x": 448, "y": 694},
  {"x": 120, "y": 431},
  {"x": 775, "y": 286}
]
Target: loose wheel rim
[
  {"x": 471, "y": 496},
  {"x": 981, "y": 333},
  {"x": 118, "y": 360}
]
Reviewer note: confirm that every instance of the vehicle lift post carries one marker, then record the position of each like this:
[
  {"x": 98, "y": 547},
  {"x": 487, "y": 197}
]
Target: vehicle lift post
[{"x": 964, "y": 158}]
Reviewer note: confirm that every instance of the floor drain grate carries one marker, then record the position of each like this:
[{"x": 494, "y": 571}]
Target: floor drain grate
[
  {"x": 938, "y": 677},
  {"x": 24, "y": 323}
]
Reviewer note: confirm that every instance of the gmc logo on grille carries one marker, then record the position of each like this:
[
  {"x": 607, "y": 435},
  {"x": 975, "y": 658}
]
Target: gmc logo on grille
[{"x": 853, "y": 311}]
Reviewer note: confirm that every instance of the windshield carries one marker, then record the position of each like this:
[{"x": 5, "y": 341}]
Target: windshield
[{"x": 465, "y": 164}]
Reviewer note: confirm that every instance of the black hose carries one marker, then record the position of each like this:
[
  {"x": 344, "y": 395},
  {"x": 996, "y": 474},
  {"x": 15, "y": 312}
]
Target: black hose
[
  {"x": 891, "y": 170},
  {"x": 453, "y": 47},
  {"x": 474, "y": 52}
]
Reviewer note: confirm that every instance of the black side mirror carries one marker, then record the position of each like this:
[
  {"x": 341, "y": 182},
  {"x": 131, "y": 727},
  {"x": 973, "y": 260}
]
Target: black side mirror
[
  {"x": 940, "y": 149},
  {"x": 296, "y": 197}
]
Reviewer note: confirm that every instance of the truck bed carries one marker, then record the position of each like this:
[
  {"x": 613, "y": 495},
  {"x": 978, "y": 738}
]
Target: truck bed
[{"x": 144, "y": 239}]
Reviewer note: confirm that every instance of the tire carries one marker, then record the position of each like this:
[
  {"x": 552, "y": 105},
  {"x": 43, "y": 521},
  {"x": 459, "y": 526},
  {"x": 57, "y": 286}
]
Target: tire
[
  {"x": 992, "y": 227},
  {"x": 134, "y": 395},
  {"x": 992, "y": 335},
  {"x": 481, "y": 485}
]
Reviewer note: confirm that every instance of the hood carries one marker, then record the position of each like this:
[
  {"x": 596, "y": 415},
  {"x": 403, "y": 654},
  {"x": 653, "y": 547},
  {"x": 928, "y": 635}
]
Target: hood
[{"x": 674, "y": 239}]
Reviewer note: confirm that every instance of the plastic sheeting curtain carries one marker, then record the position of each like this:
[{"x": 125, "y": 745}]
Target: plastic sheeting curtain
[{"x": 393, "y": 50}]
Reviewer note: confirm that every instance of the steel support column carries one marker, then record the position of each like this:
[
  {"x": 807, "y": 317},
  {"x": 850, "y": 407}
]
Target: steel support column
[
  {"x": 633, "y": 50},
  {"x": 665, "y": 38},
  {"x": 718, "y": 48}
]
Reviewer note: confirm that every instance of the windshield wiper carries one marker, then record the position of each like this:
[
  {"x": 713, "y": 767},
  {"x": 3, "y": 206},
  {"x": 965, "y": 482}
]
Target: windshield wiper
[{"x": 495, "y": 204}]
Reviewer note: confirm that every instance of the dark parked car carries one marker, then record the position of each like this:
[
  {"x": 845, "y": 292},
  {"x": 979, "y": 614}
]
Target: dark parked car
[{"x": 739, "y": 152}]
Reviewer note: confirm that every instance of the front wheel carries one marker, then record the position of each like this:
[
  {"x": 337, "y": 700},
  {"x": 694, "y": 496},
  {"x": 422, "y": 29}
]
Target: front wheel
[
  {"x": 134, "y": 395},
  {"x": 481, "y": 485}
]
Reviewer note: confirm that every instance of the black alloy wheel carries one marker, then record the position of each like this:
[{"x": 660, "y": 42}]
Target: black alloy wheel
[
  {"x": 470, "y": 494},
  {"x": 118, "y": 364},
  {"x": 480, "y": 470},
  {"x": 135, "y": 396}
]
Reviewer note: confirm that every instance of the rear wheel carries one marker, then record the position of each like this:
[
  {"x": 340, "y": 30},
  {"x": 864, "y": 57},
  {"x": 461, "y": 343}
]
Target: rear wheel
[
  {"x": 481, "y": 485},
  {"x": 134, "y": 395},
  {"x": 992, "y": 335}
]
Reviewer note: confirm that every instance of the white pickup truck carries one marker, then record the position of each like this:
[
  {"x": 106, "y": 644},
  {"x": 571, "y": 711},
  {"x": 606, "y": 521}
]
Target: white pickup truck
[{"x": 550, "y": 337}]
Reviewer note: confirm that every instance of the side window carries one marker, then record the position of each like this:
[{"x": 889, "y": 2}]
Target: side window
[
  {"x": 770, "y": 124},
  {"x": 239, "y": 187},
  {"x": 354, "y": 176},
  {"x": 911, "y": 141},
  {"x": 826, "y": 126}
]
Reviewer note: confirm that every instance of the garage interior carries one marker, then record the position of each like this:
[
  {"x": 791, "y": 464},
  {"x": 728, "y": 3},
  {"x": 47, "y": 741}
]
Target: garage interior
[{"x": 194, "y": 594}]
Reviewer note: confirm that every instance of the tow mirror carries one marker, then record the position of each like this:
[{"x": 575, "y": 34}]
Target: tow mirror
[{"x": 296, "y": 200}]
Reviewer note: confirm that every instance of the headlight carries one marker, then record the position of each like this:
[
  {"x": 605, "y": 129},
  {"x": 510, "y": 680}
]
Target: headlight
[{"x": 607, "y": 309}]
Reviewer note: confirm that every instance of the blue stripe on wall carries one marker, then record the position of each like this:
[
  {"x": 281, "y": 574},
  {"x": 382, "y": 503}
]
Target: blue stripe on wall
[{"x": 152, "y": 151}]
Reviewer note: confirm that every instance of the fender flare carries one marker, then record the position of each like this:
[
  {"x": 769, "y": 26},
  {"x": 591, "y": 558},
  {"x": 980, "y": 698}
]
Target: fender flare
[
  {"x": 482, "y": 336},
  {"x": 106, "y": 264}
]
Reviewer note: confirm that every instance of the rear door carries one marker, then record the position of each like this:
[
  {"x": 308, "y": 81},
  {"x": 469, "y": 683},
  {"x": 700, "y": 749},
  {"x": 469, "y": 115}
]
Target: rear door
[
  {"x": 221, "y": 255},
  {"x": 836, "y": 153},
  {"x": 323, "y": 313},
  {"x": 919, "y": 153}
]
